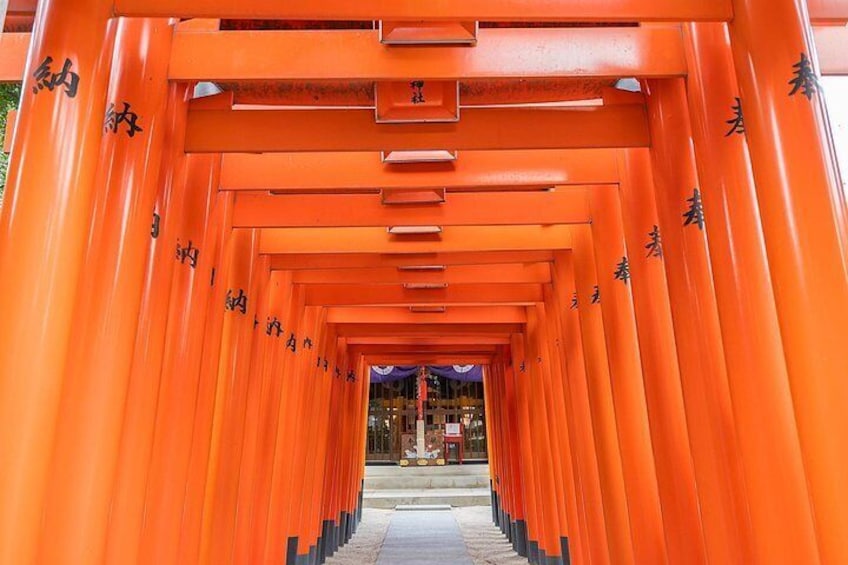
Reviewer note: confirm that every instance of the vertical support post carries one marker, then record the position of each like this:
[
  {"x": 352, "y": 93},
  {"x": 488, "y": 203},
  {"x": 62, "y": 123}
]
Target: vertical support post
[
  {"x": 346, "y": 490},
  {"x": 493, "y": 448},
  {"x": 512, "y": 507},
  {"x": 522, "y": 504},
  {"x": 327, "y": 482},
  {"x": 255, "y": 415},
  {"x": 222, "y": 492},
  {"x": 88, "y": 435},
  {"x": 324, "y": 481},
  {"x": 803, "y": 215},
  {"x": 625, "y": 367},
  {"x": 277, "y": 544},
  {"x": 311, "y": 515},
  {"x": 532, "y": 388},
  {"x": 552, "y": 421},
  {"x": 572, "y": 536},
  {"x": 709, "y": 413},
  {"x": 304, "y": 410},
  {"x": 136, "y": 444},
  {"x": 361, "y": 423},
  {"x": 171, "y": 452},
  {"x": 664, "y": 396},
  {"x": 267, "y": 504},
  {"x": 252, "y": 527},
  {"x": 572, "y": 475},
  {"x": 205, "y": 392},
  {"x": 524, "y": 452},
  {"x": 613, "y": 490},
  {"x": 578, "y": 406},
  {"x": 43, "y": 229},
  {"x": 781, "y": 517}
]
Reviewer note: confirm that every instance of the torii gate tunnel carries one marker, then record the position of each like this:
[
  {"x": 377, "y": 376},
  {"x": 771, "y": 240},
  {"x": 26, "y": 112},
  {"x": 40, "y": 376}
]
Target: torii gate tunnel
[{"x": 219, "y": 214}]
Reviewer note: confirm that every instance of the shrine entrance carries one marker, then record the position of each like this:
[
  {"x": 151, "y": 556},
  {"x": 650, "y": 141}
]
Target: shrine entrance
[{"x": 453, "y": 395}]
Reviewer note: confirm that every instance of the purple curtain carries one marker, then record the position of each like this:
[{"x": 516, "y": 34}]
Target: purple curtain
[
  {"x": 392, "y": 373},
  {"x": 465, "y": 373}
]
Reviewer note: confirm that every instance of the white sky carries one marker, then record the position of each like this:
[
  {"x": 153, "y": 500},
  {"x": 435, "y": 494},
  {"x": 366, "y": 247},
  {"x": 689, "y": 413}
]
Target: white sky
[{"x": 836, "y": 97}]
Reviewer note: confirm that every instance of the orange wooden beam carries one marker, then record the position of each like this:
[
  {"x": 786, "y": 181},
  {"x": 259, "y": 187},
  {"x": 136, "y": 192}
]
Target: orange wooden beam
[
  {"x": 452, "y": 315},
  {"x": 458, "y": 339},
  {"x": 431, "y": 340},
  {"x": 461, "y": 295},
  {"x": 428, "y": 359},
  {"x": 386, "y": 349},
  {"x": 287, "y": 262},
  {"x": 650, "y": 52},
  {"x": 539, "y": 273},
  {"x": 431, "y": 330},
  {"x": 487, "y": 10},
  {"x": 13, "y": 53},
  {"x": 362, "y": 170},
  {"x": 824, "y": 11},
  {"x": 228, "y": 131},
  {"x": 313, "y": 55},
  {"x": 484, "y": 92},
  {"x": 828, "y": 12},
  {"x": 831, "y": 47},
  {"x": 6, "y": 142},
  {"x": 21, "y": 7},
  {"x": 377, "y": 240},
  {"x": 261, "y": 210}
]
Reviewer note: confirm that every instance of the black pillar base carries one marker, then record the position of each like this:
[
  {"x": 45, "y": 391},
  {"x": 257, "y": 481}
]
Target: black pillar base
[
  {"x": 566, "y": 551},
  {"x": 313, "y": 555},
  {"x": 546, "y": 559},
  {"x": 495, "y": 505},
  {"x": 333, "y": 539},
  {"x": 361, "y": 500},
  {"x": 343, "y": 525},
  {"x": 520, "y": 542},
  {"x": 291, "y": 551},
  {"x": 533, "y": 552},
  {"x": 322, "y": 543}
]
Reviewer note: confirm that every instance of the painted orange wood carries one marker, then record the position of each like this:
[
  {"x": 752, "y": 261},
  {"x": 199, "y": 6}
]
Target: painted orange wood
[
  {"x": 506, "y": 10},
  {"x": 560, "y": 205},
  {"x": 358, "y": 55},
  {"x": 592, "y": 126},
  {"x": 364, "y": 171},
  {"x": 651, "y": 271}
]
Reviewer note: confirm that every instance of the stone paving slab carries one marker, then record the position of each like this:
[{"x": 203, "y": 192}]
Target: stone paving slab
[
  {"x": 424, "y": 537},
  {"x": 429, "y": 492},
  {"x": 444, "y": 470}
]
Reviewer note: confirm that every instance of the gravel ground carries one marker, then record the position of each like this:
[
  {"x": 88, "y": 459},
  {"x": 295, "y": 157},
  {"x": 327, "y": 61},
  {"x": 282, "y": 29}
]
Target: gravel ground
[
  {"x": 364, "y": 546},
  {"x": 486, "y": 545}
]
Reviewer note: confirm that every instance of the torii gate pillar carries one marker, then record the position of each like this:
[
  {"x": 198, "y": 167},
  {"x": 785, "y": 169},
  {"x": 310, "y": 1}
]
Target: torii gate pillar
[
  {"x": 803, "y": 213},
  {"x": 43, "y": 230}
]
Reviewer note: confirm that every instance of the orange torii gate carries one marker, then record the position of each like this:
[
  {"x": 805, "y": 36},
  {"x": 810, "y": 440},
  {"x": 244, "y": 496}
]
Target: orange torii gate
[{"x": 629, "y": 211}]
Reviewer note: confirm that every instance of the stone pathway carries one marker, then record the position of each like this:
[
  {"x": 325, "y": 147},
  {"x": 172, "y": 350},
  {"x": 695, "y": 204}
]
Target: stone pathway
[
  {"x": 463, "y": 536},
  {"x": 420, "y": 537}
]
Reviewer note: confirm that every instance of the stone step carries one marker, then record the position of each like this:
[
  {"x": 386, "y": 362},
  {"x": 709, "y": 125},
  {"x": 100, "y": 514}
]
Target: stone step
[
  {"x": 428, "y": 471},
  {"x": 426, "y": 482},
  {"x": 410, "y": 497},
  {"x": 422, "y": 507}
]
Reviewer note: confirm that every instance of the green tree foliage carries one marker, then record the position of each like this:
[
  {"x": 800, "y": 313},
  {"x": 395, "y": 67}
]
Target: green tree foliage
[{"x": 10, "y": 93}]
